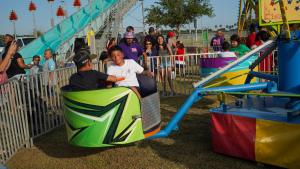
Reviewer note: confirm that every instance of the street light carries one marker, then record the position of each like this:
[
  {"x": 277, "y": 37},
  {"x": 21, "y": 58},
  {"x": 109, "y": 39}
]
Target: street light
[
  {"x": 51, "y": 12},
  {"x": 143, "y": 14},
  {"x": 13, "y": 17}
]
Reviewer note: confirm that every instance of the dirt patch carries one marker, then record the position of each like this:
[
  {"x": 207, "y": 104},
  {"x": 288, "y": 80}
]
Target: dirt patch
[{"x": 189, "y": 147}]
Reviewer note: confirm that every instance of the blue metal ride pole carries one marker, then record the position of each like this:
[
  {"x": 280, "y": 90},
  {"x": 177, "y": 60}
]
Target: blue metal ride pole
[
  {"x": 253, "y": 74},
  {"x": 238, "y": 88},
  {"x": 194, "y": 97},
  {"x": 289, "y": 69},
  {"x": 197, "y": 95}
]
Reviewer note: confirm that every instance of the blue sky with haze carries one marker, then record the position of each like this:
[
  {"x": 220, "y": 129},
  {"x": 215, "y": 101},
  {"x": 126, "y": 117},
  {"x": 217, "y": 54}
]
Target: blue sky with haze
[{"x": 226, "y": 12}]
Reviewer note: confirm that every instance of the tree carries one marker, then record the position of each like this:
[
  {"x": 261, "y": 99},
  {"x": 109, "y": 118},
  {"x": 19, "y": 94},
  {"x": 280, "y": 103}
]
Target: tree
[
  {"x": 39, "y": 33},
  {"x": 176, "y": 13}
]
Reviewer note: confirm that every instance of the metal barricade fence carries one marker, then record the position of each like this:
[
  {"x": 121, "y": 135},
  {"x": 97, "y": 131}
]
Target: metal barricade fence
[
  {"x": 30, "y": 106},
  {"x": 175, "y": 74},
  {"x": 14, "y": 121}
]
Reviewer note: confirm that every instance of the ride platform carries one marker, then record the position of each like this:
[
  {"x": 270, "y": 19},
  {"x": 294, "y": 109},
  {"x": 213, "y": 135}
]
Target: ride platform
[{"x": 259, "y": 129}]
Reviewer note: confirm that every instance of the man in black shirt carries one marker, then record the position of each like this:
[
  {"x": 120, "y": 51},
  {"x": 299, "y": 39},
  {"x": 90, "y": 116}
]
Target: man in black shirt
[
  {"x": 17, "y": 64},
  {"x": 151, "y": 36},
  {"x": 86, "y": 78}
]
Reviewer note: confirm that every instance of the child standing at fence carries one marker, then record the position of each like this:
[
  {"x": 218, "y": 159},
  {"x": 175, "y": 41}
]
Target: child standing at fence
[
  {"x": 36, "y": 67},
  {"x": 179, "y": 59}
]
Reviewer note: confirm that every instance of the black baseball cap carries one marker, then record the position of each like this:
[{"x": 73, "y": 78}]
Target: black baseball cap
[
  {"x": 151, "y": 29},
  {"x": 82, "y": 57}
]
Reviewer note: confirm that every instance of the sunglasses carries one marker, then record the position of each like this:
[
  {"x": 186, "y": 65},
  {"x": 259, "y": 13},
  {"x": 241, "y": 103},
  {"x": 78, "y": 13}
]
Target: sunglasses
[{"x": 148, "y": 43}]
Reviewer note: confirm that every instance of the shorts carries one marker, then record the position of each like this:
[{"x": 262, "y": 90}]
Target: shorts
[{"x": 166, "y": 64}]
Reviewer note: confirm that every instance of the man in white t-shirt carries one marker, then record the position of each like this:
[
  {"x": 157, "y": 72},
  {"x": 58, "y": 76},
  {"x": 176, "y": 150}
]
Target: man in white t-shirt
[{"x": 125, "y": 68}]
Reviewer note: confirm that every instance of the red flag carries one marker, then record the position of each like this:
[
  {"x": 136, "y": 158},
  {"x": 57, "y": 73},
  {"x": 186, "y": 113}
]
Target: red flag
[
  {"x": 32, "y": 7},
  {"x": 13, "y": 16},
  {"x": 77, "y": 3}
]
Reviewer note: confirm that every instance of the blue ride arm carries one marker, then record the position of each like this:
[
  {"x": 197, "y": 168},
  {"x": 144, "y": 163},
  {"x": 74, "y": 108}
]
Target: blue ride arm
[{"x": 197, "y": 95}]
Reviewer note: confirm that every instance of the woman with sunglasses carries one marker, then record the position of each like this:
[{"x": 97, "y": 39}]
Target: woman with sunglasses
[
  {"x": 166, "y": 63},
  {"x": 151, "y": 52}
]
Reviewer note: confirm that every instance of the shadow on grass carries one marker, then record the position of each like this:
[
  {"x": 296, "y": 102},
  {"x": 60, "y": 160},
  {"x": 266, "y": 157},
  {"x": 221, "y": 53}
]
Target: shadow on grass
[{"x": 56, "y": 144}]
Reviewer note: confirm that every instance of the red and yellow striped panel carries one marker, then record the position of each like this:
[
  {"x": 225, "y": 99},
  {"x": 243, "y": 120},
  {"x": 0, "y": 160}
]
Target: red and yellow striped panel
[
  {"x": 270, "y": 142},
  {"x": 233, "y": 135},
  {"x": 277, "y": 143}
]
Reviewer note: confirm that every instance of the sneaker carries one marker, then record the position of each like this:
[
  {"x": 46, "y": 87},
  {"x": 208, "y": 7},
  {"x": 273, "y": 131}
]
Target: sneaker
[
  {"x": 164, "y": 94},
  {"x": 172, "y": 93}
]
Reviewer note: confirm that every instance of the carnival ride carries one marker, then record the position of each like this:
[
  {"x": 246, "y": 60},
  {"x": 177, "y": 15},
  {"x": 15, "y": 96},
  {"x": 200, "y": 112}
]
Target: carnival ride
[
  {"x": 265, "y": 123},
  {"x": 234, "y": 76},
  {"x": 268, "y": 14},
  {"x": 109, "y": 117},
  {"x": 261, "y": 126}
]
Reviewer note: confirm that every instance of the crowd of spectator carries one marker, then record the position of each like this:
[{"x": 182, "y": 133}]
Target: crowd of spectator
[
  {"x": 130, "y": 57},
  {"x": 14, "y": 65}
]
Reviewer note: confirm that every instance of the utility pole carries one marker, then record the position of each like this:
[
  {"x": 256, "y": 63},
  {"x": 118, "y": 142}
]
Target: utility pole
[
  {"x": 63, "y": 3},
  {"x": 196, "y": 29},
  {"x": 51, "y": 12},
  {"x": 143, "y": 14}
]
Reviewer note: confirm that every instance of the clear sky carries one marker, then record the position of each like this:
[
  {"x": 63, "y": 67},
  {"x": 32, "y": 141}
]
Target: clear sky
[{"x": 226, "y": 12}]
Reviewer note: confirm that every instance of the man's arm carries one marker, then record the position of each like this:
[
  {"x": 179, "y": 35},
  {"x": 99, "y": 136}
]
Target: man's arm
[
  {"x": 145, "y": 57},
  {"x": 110, "y": 76},
  {"x": 145, "y": 60},
  {"x": 114, "y": 78},
  {"x": 147, "y": 73},
  {"x": 22, "y": 65}
]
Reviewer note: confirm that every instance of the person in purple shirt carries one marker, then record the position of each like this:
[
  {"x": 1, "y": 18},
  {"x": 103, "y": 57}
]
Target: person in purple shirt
[
  {"x": 217, "y": 41},
  {"x": 133, "y": 50}
]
